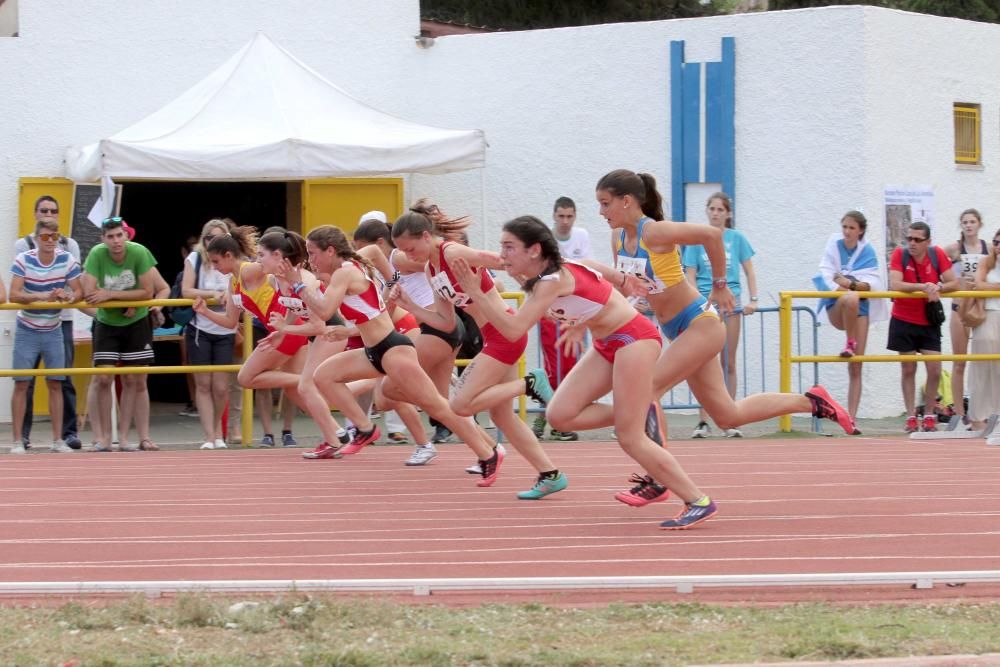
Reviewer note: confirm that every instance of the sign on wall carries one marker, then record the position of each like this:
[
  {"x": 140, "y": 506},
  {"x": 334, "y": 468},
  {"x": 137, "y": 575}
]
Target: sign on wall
[{"x": 905, "y": 204}]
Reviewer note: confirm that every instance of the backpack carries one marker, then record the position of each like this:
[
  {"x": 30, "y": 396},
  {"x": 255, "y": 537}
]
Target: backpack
[
  {"x": 932, "y": 309},
  {"x": 931, "y": 252},
  {"x": 182, "y": 315}
]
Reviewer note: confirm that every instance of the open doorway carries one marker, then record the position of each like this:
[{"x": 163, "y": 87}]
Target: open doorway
[{"x": 165, "y": 215}]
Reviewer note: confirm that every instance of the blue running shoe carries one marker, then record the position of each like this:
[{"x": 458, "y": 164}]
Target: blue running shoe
[
  {"x": 655, "y": 426},
  {"x": 537, "y": 387},
  {"x": 691, "y": 516},
  {"x": 545, "y": 486}
]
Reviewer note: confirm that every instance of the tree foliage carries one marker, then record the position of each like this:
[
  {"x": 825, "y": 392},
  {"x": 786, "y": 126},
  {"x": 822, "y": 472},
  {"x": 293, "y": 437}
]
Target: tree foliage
[
  {"x": 973, "y": 10},
  {"x": 525, "y": 14}
]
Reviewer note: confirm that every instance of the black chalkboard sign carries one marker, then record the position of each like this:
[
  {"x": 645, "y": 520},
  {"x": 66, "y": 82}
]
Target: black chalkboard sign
[{"x": 85, "y": 232}]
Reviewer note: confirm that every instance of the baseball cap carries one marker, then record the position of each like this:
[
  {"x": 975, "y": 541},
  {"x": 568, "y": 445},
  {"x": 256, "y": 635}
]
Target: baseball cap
[
  {"x": 129, "y": 230},
  {"x": 374, "y": 215}
]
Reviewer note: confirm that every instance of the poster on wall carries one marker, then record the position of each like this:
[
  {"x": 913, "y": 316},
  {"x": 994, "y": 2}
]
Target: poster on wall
[{"x": 905, "y": 204}]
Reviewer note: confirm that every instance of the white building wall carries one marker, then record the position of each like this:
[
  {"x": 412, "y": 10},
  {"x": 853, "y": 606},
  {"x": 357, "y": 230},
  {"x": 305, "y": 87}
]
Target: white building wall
[{"x": 831, "y": 104}]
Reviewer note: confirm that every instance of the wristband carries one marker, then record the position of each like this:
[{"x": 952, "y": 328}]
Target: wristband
[
  {"x": 297, "y": 288},
  {"x": 854, "y": 284},
  {"x": 754, "y": 299},
  {"x": 719, "y": 283}
]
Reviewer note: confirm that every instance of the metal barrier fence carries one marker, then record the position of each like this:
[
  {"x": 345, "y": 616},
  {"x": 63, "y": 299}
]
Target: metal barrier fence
[
  {"x": 246, "y": 413},
  {"x": 756, "y": 332},
  {"x": 787, "y": 358}
]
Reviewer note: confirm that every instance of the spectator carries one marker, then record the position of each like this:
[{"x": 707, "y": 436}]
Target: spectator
[
  {"x": 699, "y": 271},
  {"x": 120, "y": 270},
  {"x": 45, "y": 273},
  {"x": 984, "y": 376},
  {"x": 574, "y": 244},
  {"x": 208, "y": 343},
  {"x": 966, "y": 253},
  {"x": 920, "y": 267},
  {"x": 47, "y": 209},
  {"x": 850, "y": 265}
]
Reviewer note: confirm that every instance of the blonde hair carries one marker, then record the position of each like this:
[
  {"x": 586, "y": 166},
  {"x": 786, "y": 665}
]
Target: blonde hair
[{"x": 200, "y": 247}]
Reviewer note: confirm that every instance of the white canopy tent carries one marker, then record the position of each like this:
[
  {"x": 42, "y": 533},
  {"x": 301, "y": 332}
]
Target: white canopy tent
[{"x": 265, "y": 115}]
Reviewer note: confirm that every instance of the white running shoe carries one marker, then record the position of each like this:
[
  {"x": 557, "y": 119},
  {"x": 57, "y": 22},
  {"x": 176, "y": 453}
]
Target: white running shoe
[
  {"x": 422, "y": 454},
  {"x": 734, "y": 433},
  {"x": 18, "y": 449},
  {"x": 701, "y": 430},
  {"x": 60, "y": 447},
  {"x": 220, "y": 444},
  {"x": 208, "y": 445}
]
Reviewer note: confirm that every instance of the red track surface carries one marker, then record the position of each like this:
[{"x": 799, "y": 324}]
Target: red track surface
[{"x": 786, "y": 506}]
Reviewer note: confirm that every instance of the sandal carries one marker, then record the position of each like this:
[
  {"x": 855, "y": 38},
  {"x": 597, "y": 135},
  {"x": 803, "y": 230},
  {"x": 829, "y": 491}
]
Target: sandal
[{"x": 148, "y": 446}]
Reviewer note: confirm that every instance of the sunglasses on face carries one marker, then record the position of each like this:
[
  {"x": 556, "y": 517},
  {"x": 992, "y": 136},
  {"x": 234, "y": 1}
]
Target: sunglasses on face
[
  {"x": 915, "y": 239},
  {"x": 48, "y": 210},
  {"x": 48, "y": 236},
  {"x": 996, "y": 241}
]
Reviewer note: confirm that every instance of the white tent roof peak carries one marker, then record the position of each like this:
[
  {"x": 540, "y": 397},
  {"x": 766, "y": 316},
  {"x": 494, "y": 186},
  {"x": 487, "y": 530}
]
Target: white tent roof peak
[{"x": 263, "y": 114}]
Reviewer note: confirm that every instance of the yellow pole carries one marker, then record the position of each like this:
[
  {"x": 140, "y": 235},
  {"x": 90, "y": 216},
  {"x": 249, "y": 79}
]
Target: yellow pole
[
  {"x": 246, "y": 416},
  {"x": 785, "y": 355}
]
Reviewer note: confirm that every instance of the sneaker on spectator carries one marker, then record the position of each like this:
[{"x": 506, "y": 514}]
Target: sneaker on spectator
[
  {"x": 645, "y": 491},
  {"x": 18, "y": 448},
  {"x": 74, "y": 442},
  {"x": 220, "y": 444},
  {"x": 421, "y": 455},
  {"x": 60, "y": 447},
  {"x": 563, "y": 436},
  {"x": 129, "y": 447},
  {"x": 734, "y": 433},
  {"x": 189, "y": 411},
  {"x": 397, "y": 437},
  {"x": 267, "y": 440},
  {"x": 702, "y": 430},
  {"x": 288, "y": 440},
  {"x": 537, "y": 387},
  {"x": 912, "y": 425},
  {"x": 691, "y": 516},
  {"x": 441, "y": 434},
  {"x": 929, "y": 423},
  {"x": 545, "y": 486},
  {"x": 324, "y": 451},
  {"x": 207, "y": 445},
  {"x": 490, "y": 468},
  {"x": 361, "y": 440},
  {"x": 850, "y": 349},
  {"x": 538, "y": 426}
]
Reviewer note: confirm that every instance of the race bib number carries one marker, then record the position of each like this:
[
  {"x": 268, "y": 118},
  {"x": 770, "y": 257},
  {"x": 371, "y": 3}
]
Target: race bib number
[
  {"x": 970, "y": 264},
  {"x": 560, "y": 315},
  {"x": 443, "y": 286},
  {"x": 294, "y": 304},
  {"x": 636, "y": 266},
  {"x": 237, "y": 300}
]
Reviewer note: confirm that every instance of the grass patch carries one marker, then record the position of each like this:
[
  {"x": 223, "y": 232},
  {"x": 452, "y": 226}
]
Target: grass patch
[{"x": 318, "y": 631}]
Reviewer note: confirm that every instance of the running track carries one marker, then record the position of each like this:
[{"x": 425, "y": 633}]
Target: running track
[{"x": 786, "y": 506}]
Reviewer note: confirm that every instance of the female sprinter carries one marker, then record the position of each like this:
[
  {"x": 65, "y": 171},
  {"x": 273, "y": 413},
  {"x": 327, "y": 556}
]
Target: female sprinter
[
  {"x": 387, "y": 352},
  {"x": 625, "y": 348},
  {"x": 648, "y": 254},
  {"x": 490, "y": 381},
  {"x": 278, "y": 360},
  {"x": 739, "y": 254},
  {"x": 966, "y": 253},
  {"x": 850, "y": 265}
]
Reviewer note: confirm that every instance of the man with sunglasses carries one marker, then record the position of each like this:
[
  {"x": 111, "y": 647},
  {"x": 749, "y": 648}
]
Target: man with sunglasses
[
  {"x": 47, "y": 210},
  {"x": 917, "y": 270},
  {"x": 120, "y": 270},
  {"x": 45, "y": 273}
]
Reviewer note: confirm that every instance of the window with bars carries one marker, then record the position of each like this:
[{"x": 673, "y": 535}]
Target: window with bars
[{"x": 967, "y": 143}]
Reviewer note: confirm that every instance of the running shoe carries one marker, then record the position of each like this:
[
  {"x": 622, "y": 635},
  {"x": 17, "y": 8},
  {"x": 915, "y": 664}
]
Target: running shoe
[
  {"x": 128, "y": 447},
  {"x": 912, "y": 425},
  {"x": 220, "y": 444},
  {"x": 564, "y": 436},
  {"x": 856, "y": 431},
  {"x": 656, "y": 430},
  {"x": 74, "y": 442},
  {"x": 490, "y": 468},
  {"x": 18, "y": 449},
  {"x": 701, "y": 430},
  {"x": 850, "y": 349},
  {"x": 476, "y": 469},
  {"x": 207, "y": 445},
  {"x": 545, "y": 486},
  {"x": 538, "y": 426},
  {"x": 691, "y": 516},
  {"x": 734, "y": 433},
  {"x": 537, "y": 387},
  {"x": 60, "y": 447},
  {"x": 324, "y": 451},
  {"x": 345, "y": 435},
  {"x": 288, "y": 440},
  {"x": 645, "y": 491},
  {"x": 421, "y": 455},
  {"x": 267, "y": 440},
  {"x": 826, "y": 408},
  {"x": 189, "y": 411},
  {"x": 397, "y": 437},
  {"x": 929, "y": 423},
  {"x": 441, "y": 434},
  {"x": 361, "y": 440}
]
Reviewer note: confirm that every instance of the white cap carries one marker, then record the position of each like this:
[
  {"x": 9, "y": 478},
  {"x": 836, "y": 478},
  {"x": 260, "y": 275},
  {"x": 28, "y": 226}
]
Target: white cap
[{"x": 374, "y": 215}]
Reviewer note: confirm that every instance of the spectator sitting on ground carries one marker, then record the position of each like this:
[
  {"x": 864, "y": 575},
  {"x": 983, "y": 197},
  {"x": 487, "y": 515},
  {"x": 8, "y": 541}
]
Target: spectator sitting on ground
[
  {"x": 45, "y": 274},
  {"x": 47, "y": 209}
]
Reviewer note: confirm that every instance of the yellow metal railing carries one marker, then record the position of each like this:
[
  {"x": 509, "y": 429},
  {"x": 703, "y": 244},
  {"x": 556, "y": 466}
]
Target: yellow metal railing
[
  {"x": 246, "y": 415},
  {"x": 786, "y": 359}
]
